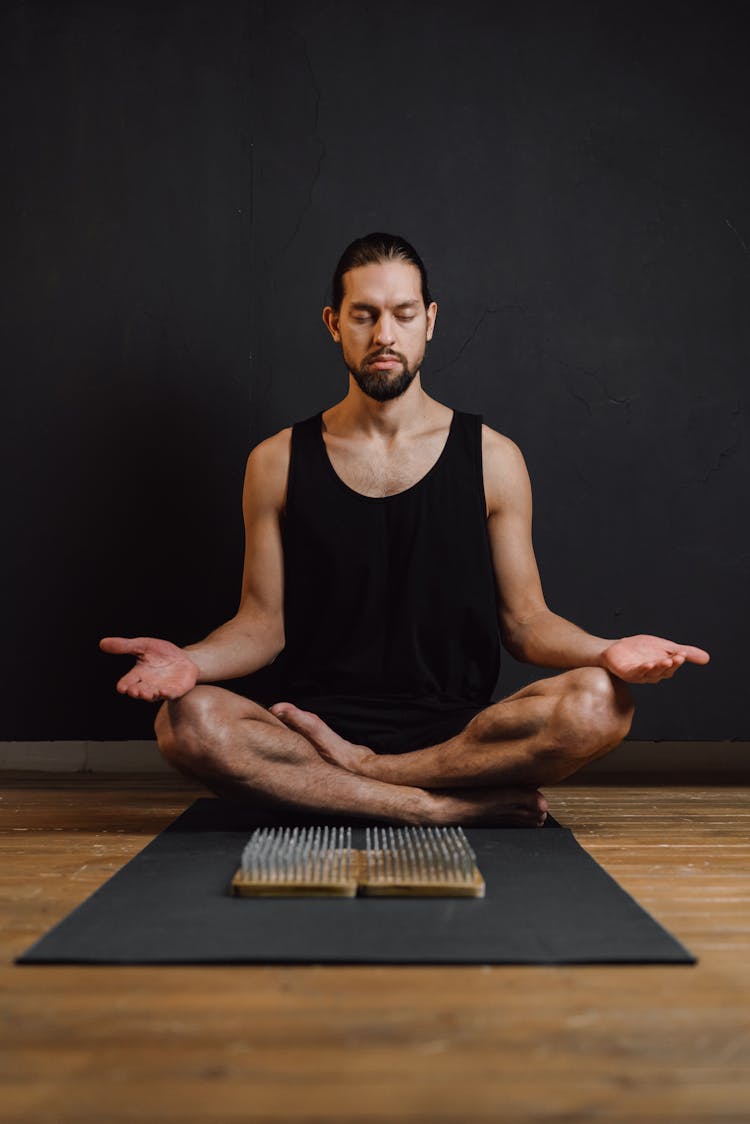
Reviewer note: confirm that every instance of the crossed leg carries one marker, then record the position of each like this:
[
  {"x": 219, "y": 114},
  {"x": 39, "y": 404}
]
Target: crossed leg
[
  {"x": 239, "y": 749},
  {"x": 540, "y": 735}
]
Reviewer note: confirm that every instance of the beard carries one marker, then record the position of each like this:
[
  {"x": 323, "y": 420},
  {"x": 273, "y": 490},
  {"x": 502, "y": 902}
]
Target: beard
[{"x": 384, "y": 385}]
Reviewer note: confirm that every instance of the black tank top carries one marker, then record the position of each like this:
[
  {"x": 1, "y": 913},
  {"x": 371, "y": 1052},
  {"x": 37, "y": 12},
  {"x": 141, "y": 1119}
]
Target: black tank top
[{"x": 389, "y": 601}]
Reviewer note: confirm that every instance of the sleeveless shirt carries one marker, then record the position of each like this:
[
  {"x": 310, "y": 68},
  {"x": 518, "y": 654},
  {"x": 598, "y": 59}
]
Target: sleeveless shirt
[{"x": 390, "y": 608}]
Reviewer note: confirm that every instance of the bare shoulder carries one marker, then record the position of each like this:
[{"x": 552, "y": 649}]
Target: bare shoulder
[
  {"x": 506, "y": 478},
  {"x": 268, "y": 469}
]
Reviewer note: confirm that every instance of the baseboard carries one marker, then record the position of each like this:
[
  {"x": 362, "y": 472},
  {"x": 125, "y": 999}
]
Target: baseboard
[
  {"x": 675, "y": 758},
  {"x": 83, "y": 757}
]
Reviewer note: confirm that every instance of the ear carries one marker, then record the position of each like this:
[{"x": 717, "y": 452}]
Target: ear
[
  {"x": 331, "y": 321},
  {"x": 431, "y": 317}
]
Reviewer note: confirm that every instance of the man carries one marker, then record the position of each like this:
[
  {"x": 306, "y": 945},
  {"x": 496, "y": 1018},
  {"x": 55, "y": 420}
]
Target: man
[{"x": 387, "y": 538}]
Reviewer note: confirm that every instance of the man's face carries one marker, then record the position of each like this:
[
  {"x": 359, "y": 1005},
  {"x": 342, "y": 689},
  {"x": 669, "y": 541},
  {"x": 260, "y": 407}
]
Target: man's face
[{"x": 382, "y": 326}]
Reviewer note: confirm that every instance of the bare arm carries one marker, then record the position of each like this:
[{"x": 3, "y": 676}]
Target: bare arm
[
  {"x": 530, "y": 630},
  {"x": 254, "y": 636}
]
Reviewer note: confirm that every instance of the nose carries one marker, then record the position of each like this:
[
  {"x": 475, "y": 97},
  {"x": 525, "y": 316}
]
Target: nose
[{"x": 384, "y": 331}]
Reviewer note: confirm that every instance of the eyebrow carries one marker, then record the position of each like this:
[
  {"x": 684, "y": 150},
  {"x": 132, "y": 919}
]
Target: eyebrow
[{"x": 373, "y": 308}]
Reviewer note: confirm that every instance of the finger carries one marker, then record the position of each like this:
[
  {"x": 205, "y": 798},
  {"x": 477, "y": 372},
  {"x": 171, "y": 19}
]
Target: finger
[
  {"x": 134, "y": 684},
  {"x": 648, "y": 675},
  {"x": 668, "y": 672},
  {"x": 121, "y": 645},
  {"x": 694, "y": 655}
]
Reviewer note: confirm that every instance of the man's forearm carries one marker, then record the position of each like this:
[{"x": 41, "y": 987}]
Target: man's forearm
[
  {"x": 241, "y": 646},
  {"x": 547, "y": 640}
]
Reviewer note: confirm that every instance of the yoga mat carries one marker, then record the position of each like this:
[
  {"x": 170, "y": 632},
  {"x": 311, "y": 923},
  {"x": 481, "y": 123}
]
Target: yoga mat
[{"x": 547, "y": 902}]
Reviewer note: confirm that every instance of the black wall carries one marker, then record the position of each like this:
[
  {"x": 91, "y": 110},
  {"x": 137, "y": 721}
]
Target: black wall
[{"x": 179, "y": 182}]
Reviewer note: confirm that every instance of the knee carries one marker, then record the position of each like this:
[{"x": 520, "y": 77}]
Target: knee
[
  {"x": 596, "y": 709},
  {"x": 199, "y": 730},
  {"x": 188, "y": 728}
]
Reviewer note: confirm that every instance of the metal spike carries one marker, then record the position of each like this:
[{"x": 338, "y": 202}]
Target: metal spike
[
  {"x": 450, "y": 856},
  {"x": 460, "y": 854},
  {"x": 420, "y": 857},
  {"x": 262, "y": 854},
  {"x": 306, "y": 853},
  {"x": 431, "y": 851},
  {"x": 444, "y": 857},
  {"x": 471, "y": 856},
  {"x": 272, "y": 851},
  {"x": 435, "y": 855},
  {"x": 411, "y": 855}
]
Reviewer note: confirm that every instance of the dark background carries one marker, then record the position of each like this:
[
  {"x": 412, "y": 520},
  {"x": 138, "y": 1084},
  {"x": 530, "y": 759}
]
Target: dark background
[{"x": 179, "y": 180}]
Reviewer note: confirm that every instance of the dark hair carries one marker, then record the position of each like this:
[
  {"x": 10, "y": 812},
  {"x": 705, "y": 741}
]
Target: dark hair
[{"x": 371, "y": 249}]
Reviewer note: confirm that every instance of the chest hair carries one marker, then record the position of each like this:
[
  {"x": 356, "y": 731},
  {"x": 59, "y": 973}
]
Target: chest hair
[{"x": 377, "y": 471}]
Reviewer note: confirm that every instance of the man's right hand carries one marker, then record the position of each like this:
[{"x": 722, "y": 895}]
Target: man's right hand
[{"x": 162, "y": 670}]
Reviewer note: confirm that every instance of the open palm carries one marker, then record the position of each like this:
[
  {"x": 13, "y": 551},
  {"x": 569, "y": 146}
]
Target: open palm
[
  {"x": 647, "y": 659},
  {"x": 162, "y": 670}
]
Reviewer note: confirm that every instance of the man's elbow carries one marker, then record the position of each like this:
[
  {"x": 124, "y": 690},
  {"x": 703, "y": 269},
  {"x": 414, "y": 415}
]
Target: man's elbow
[
  {"x": 512, "y": 641},
  {"x": 262, "y": 625},
  {"x": 277, "y": 648},
  {"x": 275, "y": 639},
  {"x": 517, "y": 635}
]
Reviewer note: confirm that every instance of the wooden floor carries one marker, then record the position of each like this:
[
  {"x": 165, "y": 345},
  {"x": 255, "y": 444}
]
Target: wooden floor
[{"x": 360, "y": 1044}]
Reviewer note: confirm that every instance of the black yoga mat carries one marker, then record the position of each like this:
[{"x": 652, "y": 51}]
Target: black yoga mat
[{"x": 547, "y": 902}]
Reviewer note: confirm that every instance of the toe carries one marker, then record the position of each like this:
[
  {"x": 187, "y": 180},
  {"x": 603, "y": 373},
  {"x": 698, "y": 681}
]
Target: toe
[
  {"x": 293, "y": 716},
  {"x": 297, "y": 719},
  {"x": 290, "y": 715}
]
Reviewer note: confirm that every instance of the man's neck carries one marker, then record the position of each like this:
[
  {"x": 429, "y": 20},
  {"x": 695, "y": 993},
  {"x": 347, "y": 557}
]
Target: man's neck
[{"x": 360, "y": 415}]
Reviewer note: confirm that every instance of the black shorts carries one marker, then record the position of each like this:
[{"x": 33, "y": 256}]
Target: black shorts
[{"x": 388, "y": 725}]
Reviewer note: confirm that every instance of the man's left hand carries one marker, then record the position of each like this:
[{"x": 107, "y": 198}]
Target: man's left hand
[{"x": 648, "y": 659}]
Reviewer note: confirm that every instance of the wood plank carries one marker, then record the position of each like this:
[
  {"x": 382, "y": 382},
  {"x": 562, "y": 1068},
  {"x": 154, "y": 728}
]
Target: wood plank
[{"x": 360, "y": 1044}]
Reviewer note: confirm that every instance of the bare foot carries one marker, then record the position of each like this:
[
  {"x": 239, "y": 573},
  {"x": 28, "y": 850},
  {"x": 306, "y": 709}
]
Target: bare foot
[
  {"x": 490, "y": 807},
  {"x": 329, "y": 744}
]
